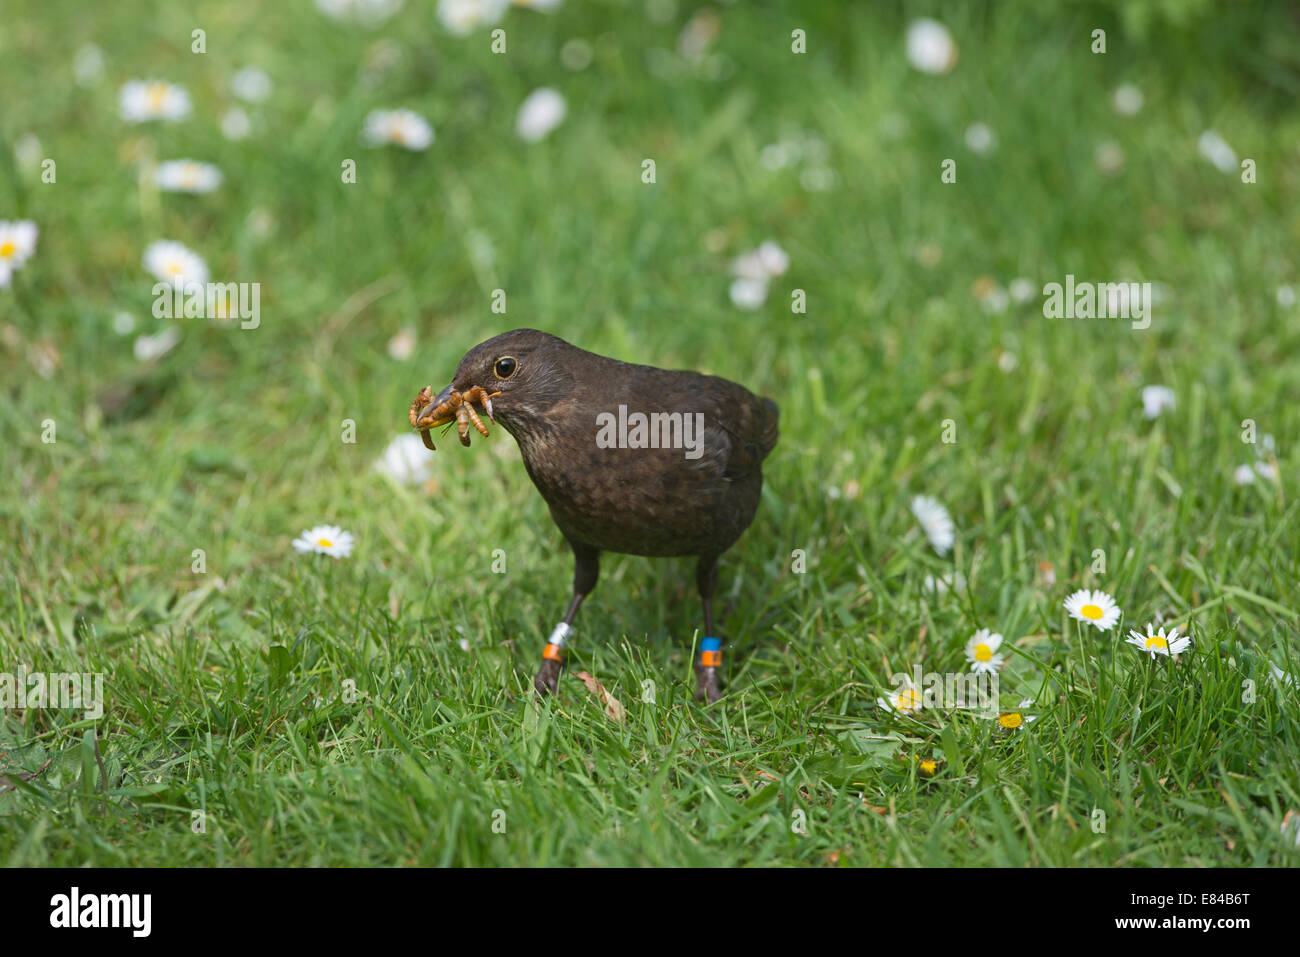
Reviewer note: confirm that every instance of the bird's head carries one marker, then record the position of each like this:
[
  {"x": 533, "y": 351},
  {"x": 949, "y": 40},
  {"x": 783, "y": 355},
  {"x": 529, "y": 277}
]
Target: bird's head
[{"x": 524, "y": 373}]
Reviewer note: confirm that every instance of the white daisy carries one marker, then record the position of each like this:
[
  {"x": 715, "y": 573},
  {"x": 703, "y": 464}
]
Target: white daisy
[
  {"x": 17, "y": 243},
  {"x": 462, "y": 17},
  {"x": 540, "y": 113},
  {"x": 545, "y": 6},
  {"x": 28, "y": 152},
  {"x": 1157, "y": 399},
  {"x": 777, "y": 156},
  {"x": 402, "y": 346},
  {"x": 325, "y": 540},
  {"x": 930, "y": 47},
  {"x": 765, "y": 262},
  {"x": 576, "y": 54},
  {"x": 1109, "y": 156},
  {"x": 1243, "y": 475},
  {"x": 144, "y": 100},
  {"x": 187, "y": 176},
  {"x": 981, "y": 652},
  {"x": 817, "y": 179},
  {"x": 235, "y": 124},
  {"x": 748, "y": 293},
  {"x": 172, "y": 262},
  {"x": 1216, "y": 149},
  {"x": 251, "y": 84},
  {"x": 400, "y": 128},
  {"x": 1286, "y": 297},
  {"x": 1022, "y": 289},
  {"x": 88, "y": 64},
  {"x": 996, "y": 300},
  {"x": 1128, "y": 99},
  {"x": 905, "y": 699},
  {"x": 1159, "y": 643},
  {"x": 1267, "y": 471},
  {"x": 338, "y": 9},
  {"x": 148, "y": 348},
  {"x": 369, "y": 12},
  {"x": 1093, "y": 607},
  {"x": 980, "y": 138},
  {"x": 935, "y": 522},
  {"x": 405, "y": 460}
]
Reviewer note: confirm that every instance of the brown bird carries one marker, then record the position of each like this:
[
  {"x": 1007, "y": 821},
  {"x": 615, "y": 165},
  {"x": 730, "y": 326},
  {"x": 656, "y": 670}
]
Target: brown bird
[{"x": 629, "y": 458}]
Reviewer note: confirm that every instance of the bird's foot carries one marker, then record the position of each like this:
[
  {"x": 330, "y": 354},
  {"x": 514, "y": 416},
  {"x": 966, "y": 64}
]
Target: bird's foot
[
  {"x": 708, "y": 688},
  {"x": 548, "y": 677},
  {"x": 706, "y": 669}
]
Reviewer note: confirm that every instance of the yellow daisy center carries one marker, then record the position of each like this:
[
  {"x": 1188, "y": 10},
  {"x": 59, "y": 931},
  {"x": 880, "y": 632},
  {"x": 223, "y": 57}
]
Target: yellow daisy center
[
  {"x": 1012, "y": 720},
  {"x": 157, "y": 95},
  {"x": 174, "y": 268},
  {"x": 908, "y": 700},
  {"x": 983, "y": 653},
  {"x": 7, "y": 250},
  {"x": 1155, "y": 641},
  {"x": 1091, "y": 611},
  {"x": 324, "y": 543}
]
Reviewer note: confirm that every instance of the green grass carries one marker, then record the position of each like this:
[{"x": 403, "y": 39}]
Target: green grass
[{"x": 228, "y": 692}]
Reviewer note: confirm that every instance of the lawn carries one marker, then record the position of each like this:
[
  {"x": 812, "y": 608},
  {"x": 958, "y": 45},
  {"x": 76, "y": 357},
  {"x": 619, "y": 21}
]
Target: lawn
[{"x": 263, "y": 706}]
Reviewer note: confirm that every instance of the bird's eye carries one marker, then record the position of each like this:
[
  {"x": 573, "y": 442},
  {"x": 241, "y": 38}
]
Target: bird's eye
[{"x": 505, "y": 367}]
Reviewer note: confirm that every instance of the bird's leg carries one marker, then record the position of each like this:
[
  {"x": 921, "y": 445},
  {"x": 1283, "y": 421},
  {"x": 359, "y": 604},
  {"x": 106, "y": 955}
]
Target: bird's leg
[
  {"x": 586, "y": 569},
  {"x": 710, "y": 660}
]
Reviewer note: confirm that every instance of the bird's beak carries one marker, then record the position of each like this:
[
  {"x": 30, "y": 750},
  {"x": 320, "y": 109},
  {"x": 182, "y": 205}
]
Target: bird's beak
[{"x": 442, "y": 397}]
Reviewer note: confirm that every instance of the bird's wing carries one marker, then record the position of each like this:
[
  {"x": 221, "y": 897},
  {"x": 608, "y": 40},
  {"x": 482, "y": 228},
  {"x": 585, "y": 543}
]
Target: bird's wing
[{"x": 740, "y": 429}]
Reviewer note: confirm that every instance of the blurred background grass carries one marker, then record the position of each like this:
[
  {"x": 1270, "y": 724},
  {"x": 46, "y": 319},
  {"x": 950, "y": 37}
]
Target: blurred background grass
[{"x": 231, "y": 442}]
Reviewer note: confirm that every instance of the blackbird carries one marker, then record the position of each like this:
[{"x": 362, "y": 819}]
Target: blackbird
[{"x": 629, "y": 458}]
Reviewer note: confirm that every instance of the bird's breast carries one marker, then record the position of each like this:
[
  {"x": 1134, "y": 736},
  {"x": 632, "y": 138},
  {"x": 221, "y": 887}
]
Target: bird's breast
[{"x": 641, "y": 501}]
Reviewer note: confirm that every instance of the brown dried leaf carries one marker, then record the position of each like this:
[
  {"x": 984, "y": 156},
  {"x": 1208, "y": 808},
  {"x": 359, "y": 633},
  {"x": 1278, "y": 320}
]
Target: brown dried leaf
[{"x": 613, "y": 707}]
